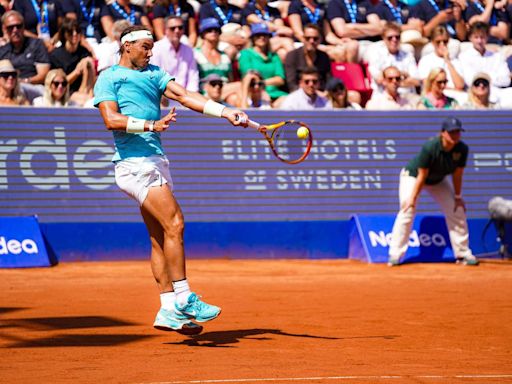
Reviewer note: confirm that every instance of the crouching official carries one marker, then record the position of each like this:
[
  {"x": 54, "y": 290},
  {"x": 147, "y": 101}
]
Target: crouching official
[{"x": 443, "y": 155}]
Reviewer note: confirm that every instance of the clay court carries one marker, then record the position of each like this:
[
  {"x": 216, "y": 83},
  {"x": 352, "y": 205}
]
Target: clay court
[{"x": 283, "y": 321}]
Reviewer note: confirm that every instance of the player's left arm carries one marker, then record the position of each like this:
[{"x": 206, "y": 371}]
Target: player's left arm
[{"x": 199, "y": 103}]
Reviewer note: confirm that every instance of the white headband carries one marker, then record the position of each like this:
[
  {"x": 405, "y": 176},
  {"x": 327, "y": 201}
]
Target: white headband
[{"x": 136, "y": 35}]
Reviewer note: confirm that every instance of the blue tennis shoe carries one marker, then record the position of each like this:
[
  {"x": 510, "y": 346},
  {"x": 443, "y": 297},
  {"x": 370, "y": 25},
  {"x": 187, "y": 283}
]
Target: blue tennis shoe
[
  {"x": 168, "y": 321},
  {"x": 197, "y": 310}
]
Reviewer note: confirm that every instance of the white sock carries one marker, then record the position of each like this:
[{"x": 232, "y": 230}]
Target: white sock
[
  {"x": 167, "y": 300},
  {"x": 182, "y": 291}
]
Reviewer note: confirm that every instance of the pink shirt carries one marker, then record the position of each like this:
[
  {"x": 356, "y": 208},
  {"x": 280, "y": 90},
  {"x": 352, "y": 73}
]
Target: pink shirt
[{"x": 179, "y": 64}]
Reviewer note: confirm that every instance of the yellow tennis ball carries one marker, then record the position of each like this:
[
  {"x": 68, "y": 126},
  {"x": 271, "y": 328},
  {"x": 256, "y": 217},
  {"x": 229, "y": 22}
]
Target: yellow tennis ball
[{"x": 302, "y": 133}]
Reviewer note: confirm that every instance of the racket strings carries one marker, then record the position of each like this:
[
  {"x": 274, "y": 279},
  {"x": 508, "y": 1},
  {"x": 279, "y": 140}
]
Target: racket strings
[{"x": 287, "y": 144}]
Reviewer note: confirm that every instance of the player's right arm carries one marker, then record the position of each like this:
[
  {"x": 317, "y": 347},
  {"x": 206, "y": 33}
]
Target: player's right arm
[{"x": 116, "y": 121}]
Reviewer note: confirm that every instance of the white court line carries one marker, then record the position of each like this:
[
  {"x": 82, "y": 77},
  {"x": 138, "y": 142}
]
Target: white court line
[{"x": 384, "y": 377}]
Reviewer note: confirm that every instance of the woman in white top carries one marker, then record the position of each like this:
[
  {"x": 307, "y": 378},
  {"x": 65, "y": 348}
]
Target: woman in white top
[{"x": 56, "y": 91}]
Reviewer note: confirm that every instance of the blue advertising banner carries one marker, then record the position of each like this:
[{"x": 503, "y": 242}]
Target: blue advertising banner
[{"x": 22, "y": 244}]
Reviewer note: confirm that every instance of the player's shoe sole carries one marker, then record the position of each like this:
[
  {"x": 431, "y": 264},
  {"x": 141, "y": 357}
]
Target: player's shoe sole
[
  {"x": 167, "y": 321},
  {"x": 470, "y": 261}
]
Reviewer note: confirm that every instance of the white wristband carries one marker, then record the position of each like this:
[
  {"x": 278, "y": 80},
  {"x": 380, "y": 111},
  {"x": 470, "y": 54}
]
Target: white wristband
[
  {"x": 151, "y": 125},
  {"x": 212, "y": 108},
  {"x": 135, "y": 125}
]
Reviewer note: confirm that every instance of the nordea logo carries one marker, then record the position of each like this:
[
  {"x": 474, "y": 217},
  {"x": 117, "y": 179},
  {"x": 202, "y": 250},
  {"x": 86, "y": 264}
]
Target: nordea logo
[
  {"x": 425, "y": 240},
  {"x": 16, "y": 247}
]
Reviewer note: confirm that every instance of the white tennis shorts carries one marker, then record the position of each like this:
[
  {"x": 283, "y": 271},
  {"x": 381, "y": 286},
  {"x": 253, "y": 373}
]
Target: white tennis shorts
[{"x": 136, "y": 175}]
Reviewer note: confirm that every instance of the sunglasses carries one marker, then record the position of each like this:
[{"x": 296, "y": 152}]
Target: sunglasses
[
  {"x": 445, "y": 42},
  {"x": 442, "y": 82},
  {"x": 212, "y": 30},
  {"x": 57, "y": 83},
  {"x": 481, "y": 83},
  {"x": 338, "y": 89},
  {"x": 176, "y": 28},
  {"x": 10, "y": 28},
  {"x": 310, "y": 81},
  {"x": 6, "y": 75},
  {"x": 253, "y": 83},
  {"x": 312, "y": 38},
  {"x": 394, "y": 78},
  {"x": 393, "y": 37},
  {"x": 216, "y": 83}
]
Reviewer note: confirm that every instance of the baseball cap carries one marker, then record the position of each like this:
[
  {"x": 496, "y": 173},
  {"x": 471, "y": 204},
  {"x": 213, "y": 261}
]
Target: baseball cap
[
  {"x": 335, "y": 83},
  {"x": 208, "y": 23},
  {"x": 260, "y": 29},
  {"x": 212, "y": 77},
  {"x": 481, "y": 75},
  {"x": 452, "y": 124},
  {"x": 6, "y": 66}
]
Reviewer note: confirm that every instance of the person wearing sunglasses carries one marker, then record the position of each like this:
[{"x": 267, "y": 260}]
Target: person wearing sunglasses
[
  {"x": 338, "y": 95},
  {"x": 56, "y": 91},
  {"x": 175, "y": 57},
  {"x": 10, "y": 92},
  {"x": 389, "y": 98},
  {"x": 433, "y": 92},
  {"x": 307, "y": 96},
  {"x": 165, "y": 9},
  {"x": 212, "y": 88},
  {"x": 253, "y": 92},
  {"x": 389, "y": 54},
  {"x": 442, "y": 58},
  {"x": 443, "y": 156},
  {"x": 479, "y": 93},
  {"x": 27, "y": 54},
  {"x": 76, "y": 61}
]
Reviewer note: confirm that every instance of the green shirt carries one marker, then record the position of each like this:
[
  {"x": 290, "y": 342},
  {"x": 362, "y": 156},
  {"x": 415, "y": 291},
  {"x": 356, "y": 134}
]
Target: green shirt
[
  {"x": 438, "y": 161},
  {"x": 269, "y": 67}
]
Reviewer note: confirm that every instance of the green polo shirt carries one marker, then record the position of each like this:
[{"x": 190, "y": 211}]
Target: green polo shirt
[{"x": 438, "y": 161}]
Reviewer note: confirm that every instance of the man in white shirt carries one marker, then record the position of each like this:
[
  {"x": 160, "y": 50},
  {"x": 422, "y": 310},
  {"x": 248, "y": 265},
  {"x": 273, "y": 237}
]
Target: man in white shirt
[
  {"x": 176, "y": 58},
  {"x": 306, "y": 97},
  {"x": 391, "y": 54},
  {"x": 390, "y": 98},
  {"x": 478, "y": 59}
]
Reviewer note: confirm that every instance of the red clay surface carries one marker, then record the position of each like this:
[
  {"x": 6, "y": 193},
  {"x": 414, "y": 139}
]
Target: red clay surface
[{"x": 282, "y": 321}]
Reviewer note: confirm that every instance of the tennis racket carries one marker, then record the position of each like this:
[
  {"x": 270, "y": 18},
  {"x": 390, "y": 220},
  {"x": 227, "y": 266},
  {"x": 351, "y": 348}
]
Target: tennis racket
[{"x": 290, "y": 141}]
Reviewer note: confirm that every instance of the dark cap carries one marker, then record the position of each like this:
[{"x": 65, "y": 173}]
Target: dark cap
[
  {"x": 334, "y": 83},
  {"x": 452, "y": 124},
  {"x": 260, "y": 29}
]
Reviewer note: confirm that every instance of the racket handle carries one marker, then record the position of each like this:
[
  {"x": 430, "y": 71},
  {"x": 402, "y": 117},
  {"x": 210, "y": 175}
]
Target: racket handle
[{"x": 253, "y": 124}]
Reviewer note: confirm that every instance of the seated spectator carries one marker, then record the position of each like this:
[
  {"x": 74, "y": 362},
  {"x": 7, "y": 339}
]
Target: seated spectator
[
  {"x": 179, "y": 8},
  {"x": 230, "y": 19},
  {"x": 307, "y": 56},
  {"x": 174, "y": 57},
  {"x": 41, "y": 19},
  {"x": 479, "y": 93},
  {"x": 391, "y": 54},
  {"x": 304, "y": 12},
  {"x": 212, "y": 87},
  {"x": 432, "y": 13},
  {"x": 211, "y": 60},
  {"x": 434, "y": 97},
  {"x": 259, "y": 57},
  {"x": 394, "y": 11},
  {"x": 307, "y": 96},
  {"x": 258, "y": 12},
  {"x": 76, "y": 61},
  {"x": 56, "y": 91},
  {"x": 350, "y": 19},
  {"x": 478, "y": 58},
  {"x": 107, "y": 52},
  {"x": 122, "y": 10},
  {"x": 87, "y": 14},
  {"x": 441, "y": 58},
  {"x": 389, "y": 98},
  {"x": 337, "y": 94},
  {"x": 10, "y": 92},
  {"x": 27, "y": 54},
  {"x": 489, "y": 12},
  {"x": 253, "y": 91}
]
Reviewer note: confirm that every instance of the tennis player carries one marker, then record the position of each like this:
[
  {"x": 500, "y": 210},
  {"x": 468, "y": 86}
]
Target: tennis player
[{"x": 128, "y": 97}]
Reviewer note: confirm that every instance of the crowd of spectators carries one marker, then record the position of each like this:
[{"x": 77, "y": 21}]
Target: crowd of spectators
[{"x": 410, "y": 54}]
